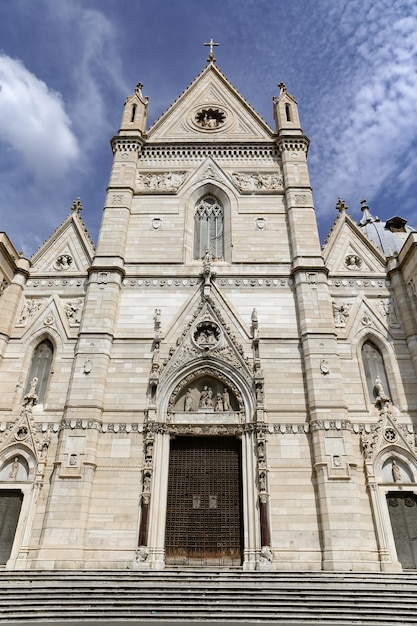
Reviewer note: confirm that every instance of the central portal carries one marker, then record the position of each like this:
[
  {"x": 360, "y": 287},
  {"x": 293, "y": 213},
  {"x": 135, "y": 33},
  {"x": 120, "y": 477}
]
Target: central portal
[{"x": 204, "y": 512}]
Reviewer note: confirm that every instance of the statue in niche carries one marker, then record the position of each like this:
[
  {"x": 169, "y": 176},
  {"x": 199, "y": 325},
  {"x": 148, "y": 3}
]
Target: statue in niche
[
  {"x": 206, "y": 335},
  {"x": 379, "y": 388},
  {"x": 31, "y": 398},
  {"x": 396, "y": 473},
  {"x": 259, "y": 394},
  {"x": 218, "y": 407},
  {"x": 63, "y": 262},
  {"x": 226, "y": 400},
  {"x": 188, "y": 401},
  {"x": 14, "y": 469},
  {"x": 206, "y": 398}
]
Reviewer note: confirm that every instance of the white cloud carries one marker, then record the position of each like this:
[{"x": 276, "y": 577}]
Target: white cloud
[
  {"x": 368, "y": 122},
  {"x": 34, "y": 123}
]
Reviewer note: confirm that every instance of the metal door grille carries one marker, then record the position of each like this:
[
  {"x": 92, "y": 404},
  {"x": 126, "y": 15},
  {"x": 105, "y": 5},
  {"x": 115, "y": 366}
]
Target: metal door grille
[{"x": 204, "y": 504}]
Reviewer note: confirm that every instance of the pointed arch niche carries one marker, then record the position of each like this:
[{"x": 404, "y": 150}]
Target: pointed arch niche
[
  {"x": 373, "y": 365},
  {"x": 209, "y": 208},
  {"x": 41, "y": 367},
  {"x": 202, "y": 403}
]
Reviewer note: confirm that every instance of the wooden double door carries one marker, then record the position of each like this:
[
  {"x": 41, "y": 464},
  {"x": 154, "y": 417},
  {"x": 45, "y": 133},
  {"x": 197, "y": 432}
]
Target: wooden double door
[{"x": 204, "y": 507}]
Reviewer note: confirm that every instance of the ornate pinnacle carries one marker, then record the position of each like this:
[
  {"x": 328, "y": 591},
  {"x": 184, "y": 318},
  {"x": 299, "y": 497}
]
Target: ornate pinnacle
[
  {"x": 77, "y": 206},
  {"x": 367, "y": 217},
  {"x": 341, "y": 205}
]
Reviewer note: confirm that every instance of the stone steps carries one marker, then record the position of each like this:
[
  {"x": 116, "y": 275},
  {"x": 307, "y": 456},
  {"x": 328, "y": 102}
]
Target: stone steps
[{"x": 318, "y": 598}]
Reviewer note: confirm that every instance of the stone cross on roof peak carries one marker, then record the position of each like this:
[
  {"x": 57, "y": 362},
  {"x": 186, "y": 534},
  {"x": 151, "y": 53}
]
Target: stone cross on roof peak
[{"x": 210, "y": 57}]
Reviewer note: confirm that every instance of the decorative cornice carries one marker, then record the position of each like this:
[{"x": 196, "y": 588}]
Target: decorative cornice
[
  {"x": 225, "y": 281},
  {"x": 192, "y": 153},
  {"x": 293, "y": 144},
  {"x": 126, "y": 144}
]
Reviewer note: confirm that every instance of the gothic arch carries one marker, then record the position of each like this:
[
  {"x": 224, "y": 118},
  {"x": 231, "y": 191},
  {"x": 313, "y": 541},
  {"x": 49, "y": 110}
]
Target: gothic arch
[
  {"x": 50, "y": 335},
  {"x": 24, "y": 456},
  {"x": 225, "y": 373},
  {"x": 404, "y": 459},
  {"x": 388, "y": 360},
  {"x": 225, "y": 196}
]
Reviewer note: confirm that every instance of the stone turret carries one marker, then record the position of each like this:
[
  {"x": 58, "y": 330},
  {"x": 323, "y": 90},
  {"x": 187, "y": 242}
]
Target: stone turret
[
  {"x": 286, "y": 113},
  {"x": 135, "y": 113}
]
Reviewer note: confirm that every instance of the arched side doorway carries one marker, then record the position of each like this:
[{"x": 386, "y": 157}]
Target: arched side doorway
[
  {"x": 392, "y": 484},
  {"x": 17, "y": 472},
  {"x": 402, "y": 508},
  {"x": 10, "y": 507}
]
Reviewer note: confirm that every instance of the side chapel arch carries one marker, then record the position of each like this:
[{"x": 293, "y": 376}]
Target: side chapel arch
[
  {"x": 17, "y": 475},
  {"x": 396, "y": 474}
]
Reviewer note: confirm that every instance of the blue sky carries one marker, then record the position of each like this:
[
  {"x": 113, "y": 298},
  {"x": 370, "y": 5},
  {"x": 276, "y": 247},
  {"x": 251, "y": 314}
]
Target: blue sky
[{"x": 67, "y": 66}]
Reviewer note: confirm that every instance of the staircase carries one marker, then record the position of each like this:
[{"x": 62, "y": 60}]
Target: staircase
[{"x": 319, "y": 598}]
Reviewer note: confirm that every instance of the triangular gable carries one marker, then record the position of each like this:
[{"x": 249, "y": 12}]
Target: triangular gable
[
  {"x": 210, "y": 109},
  {"x": 69, "y": 250},
  {"x": 207, "y": 337},
  {"x": 40, "y": 313},
  {"x": 352, "y": 314},
  {"x": 349, "y": 251}
]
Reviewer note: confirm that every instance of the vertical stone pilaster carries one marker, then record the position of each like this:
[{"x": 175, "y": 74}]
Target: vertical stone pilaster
[
  {"x": 10, "y": 301},
  {"x": 405, "y": 307}
]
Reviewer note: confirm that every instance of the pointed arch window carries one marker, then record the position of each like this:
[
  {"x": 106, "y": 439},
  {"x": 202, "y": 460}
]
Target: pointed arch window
[
  {"x": 373, "y": 364},
  {"x": 209, "y": 228},
  {"x": 40, "y": 368}
]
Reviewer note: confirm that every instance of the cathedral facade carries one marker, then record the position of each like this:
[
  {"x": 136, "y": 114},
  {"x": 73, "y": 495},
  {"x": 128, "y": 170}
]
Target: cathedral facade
[{"x": 208, "y": 386}]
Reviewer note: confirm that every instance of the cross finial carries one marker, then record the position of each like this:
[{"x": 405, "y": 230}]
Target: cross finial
[
  {"x": 211, "y": 43},
  {"x": 77, "y": 206}
]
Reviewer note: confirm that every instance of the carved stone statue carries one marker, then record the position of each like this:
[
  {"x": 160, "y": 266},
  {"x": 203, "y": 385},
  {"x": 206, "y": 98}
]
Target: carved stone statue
[
  {"x": 31, "y": 398},
  {"x": 396, "y": 473},
  {"x": 266, "y": 555},
  {"x": 73, "y": 311},
  {"x": 341, "y": 314},
  {"x": 226, "y": 400},
  {"x": 381, "y": 395},
  {"x": 188, "y": 401},
  {"x": 14, "y": 469},
  {"x": 218, "y": 407}
]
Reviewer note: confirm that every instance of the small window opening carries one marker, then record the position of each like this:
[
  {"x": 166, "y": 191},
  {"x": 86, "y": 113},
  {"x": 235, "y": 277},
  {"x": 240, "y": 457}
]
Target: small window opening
[
  {"x": 132, "y": 119},
  {"x": 288, "y": 112}
]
